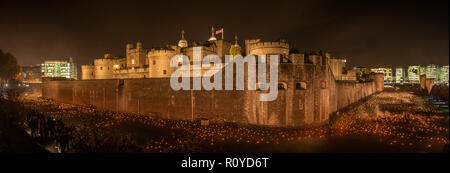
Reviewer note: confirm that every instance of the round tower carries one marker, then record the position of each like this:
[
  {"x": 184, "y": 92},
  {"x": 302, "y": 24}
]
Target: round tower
[
  {"x": 103, "y": 68},
  {"x": 269, "y": 48},
  {"x": 159, "y": 63},
  {"x": 139, "y": 45},
  {"x": 87, "y": 72}
]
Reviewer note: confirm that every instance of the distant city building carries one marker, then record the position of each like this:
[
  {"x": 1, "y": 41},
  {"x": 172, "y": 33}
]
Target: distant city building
[
  {"x": 399, "y": 75},
  {"x": 59, "y": 68},
  {"x": 388, "y": 77},
  {"x": 438, "y": 73},
  {"x": 414, "y": 73},
  {"x": 432, "y": 71},
  {"x": 31, "y": 74},
  {"x": 443, "y": 77}
]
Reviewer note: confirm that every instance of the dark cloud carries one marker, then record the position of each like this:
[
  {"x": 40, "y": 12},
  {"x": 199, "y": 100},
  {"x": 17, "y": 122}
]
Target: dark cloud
[{"x": 368, "y": 33}]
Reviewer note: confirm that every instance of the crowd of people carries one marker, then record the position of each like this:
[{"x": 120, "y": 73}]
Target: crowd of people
[{"x": 48, "y": 129}]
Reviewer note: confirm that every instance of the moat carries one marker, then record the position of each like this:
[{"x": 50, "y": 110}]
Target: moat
[{"x": 390, "y": 121}]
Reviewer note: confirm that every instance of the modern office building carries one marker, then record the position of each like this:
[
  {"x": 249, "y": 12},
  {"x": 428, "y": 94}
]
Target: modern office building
[
  {"x": 414, "y": 73},
  {"x": 433, "y": 71},
  {"x": 399, "y": 75},
  {"x": 443, "y": 76},
  {"x": 388, "y": 77},
  {"x": 59, "y": 68},
  {"x": 438, "y": 73}
]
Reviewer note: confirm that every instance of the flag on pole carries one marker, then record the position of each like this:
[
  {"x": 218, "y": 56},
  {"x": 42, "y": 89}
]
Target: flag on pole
[{"x": 219, "y": 31}]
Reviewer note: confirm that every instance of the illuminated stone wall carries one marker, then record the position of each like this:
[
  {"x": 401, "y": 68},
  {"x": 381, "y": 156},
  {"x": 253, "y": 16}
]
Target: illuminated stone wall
[{"x": 308, "y": 92}]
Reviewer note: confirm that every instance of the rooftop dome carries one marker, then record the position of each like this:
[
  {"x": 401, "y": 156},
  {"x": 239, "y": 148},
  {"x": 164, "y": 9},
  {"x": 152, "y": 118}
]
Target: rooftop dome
[
  {"x": 182, "y": 43},
  {"x": 212, "y": 38}
]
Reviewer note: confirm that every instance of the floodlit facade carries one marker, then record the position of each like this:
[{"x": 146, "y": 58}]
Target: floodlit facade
[
  {"x": 388, "y": 77},
  {"x": 432, "y": 71},
  {"x": 59, "y": 68},
  {"x": 399, "y": 75},
  {"x": 438, "y": 73},
  {"x": 443, "y": 76},
  {"x": 414, "y": 73}
]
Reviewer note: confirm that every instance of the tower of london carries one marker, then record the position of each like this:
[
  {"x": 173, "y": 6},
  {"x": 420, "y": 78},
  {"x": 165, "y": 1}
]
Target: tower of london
[{"x": 310, "y": 86}]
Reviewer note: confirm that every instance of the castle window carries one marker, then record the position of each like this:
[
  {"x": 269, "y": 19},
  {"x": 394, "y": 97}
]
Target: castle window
[
  {"x": 132, "y": 61},
  {"x": 108, "y": 67},
  {"x": 101, "y": 68},
  {"x": 282, "y": 86},
  {"x": 154, "y": 62},
  {"x": 164, "y": 71},
  {"x": 92, "y": 73},
  {"x": 300, "y": 86}
]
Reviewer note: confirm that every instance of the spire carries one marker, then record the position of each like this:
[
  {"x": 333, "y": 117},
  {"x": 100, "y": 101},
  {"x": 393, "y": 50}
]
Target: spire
[
  {"x": 182, "y": 34},
  {"x": 236, "y": 40},
  {"x": 212, "y": 38}
]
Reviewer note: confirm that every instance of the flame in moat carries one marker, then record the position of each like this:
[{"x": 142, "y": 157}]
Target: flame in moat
[{"x": 393, "y": 118}]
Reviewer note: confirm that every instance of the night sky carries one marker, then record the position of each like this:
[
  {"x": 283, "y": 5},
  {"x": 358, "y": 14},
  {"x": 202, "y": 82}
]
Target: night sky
[{"x": 367, "y": 33}]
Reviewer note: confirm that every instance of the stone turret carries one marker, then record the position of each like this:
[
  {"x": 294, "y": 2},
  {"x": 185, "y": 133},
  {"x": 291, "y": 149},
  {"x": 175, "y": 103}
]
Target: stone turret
[
  {"x": 378, "y": 78},
  {"x": 103, "y": 68},
  {"x": 256, "y": 47},
  {"x": 136, "y": 57},
  {"x": 87, "y": 72},
  {"x": 159, "y": 62},
  {"x": 129, "y": 47}
]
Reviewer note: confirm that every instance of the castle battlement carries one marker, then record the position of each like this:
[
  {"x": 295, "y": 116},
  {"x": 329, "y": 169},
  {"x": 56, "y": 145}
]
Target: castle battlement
[
  {"x": 87, "y": 66},
  {"x": 277, "y": 44},
  {"x": 131, "y": 49},
  {"x": 253, "y": 41},
  {"x": 104, "y": 60},
  {"x": 155, "y": 52}
]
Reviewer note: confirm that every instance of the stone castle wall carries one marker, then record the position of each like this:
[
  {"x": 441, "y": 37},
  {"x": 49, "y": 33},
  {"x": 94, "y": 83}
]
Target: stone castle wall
[{"x": 309, "y": 95}]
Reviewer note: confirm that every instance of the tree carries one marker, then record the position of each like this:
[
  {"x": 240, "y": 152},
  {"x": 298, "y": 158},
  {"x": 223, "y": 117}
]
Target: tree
[
  {"x": 235, "y": 50},
  {"x": 363, "y": 75},
  {"x": 8, "y": 67}
]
